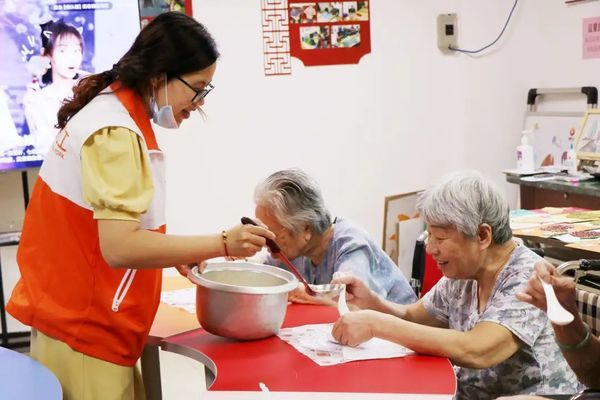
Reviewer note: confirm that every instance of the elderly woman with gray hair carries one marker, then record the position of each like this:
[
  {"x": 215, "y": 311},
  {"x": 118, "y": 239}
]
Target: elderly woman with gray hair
[
  {"x": 498, "y": 344},
  {"x": 290, "y": 204}
]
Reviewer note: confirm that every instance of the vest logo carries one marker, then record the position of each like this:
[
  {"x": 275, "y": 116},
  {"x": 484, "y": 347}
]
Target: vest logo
[{"x": 59, "y": 143}]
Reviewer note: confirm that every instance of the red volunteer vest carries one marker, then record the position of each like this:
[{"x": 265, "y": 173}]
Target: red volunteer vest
[{"x": 67, "y": 290}]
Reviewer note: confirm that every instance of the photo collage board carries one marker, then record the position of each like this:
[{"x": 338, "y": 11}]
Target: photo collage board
[{"x": 329, "y": 33}]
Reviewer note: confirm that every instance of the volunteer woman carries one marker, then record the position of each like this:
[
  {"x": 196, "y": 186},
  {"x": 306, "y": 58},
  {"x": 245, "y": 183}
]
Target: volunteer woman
[{"x": 92, "y": 247}]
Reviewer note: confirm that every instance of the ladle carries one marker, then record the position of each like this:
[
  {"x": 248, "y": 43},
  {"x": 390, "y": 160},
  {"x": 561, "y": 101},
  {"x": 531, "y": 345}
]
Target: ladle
[{"x": 276, "y": 251}]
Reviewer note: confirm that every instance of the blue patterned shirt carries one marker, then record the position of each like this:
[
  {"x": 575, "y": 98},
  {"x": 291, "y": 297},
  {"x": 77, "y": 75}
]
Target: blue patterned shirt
[{"x": 352, "y": 250}]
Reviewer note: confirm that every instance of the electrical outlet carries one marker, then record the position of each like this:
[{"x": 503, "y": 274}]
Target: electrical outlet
[{"x": 446, "y": 32}]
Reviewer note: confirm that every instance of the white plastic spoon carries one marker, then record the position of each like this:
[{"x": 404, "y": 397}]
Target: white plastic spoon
[
  {"x": 555, "y": 311},
  {"x": 342, "y": 305},
  {"x": 263, "y": 387}
]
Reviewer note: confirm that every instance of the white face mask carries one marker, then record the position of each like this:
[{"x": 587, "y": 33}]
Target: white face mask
[{"x": 163, "y": 117}]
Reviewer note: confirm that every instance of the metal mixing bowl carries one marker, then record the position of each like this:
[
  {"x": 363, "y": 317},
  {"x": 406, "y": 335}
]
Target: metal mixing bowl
[{"x": 242, "y": 300}]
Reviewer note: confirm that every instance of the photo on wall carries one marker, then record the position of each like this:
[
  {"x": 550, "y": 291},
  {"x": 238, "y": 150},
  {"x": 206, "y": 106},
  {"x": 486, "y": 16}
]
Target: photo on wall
[
  {"x": 349, "y": 11},
  {"x": 355, "y": 11},
  {"x": 329, "y": 12},
  {"x": 295, "y": 13},
  {"x": 315, "y": 37},
  {"x": 345, "y": 35},
  {"x": 362, "y": 11},
  {"x": 303, "y": 13},
  {"x": 309, "y": 13}
]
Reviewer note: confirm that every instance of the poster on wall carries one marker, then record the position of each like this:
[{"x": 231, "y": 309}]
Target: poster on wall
[
  {"x": 591, "y": 37},
  {"x": 149, "y": 9},
  {"x": 315, "y": 32}
]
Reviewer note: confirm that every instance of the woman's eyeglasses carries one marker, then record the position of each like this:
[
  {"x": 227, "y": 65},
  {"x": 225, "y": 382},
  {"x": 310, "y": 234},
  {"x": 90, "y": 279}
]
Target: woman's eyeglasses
[{"x": 200, "y": 93}]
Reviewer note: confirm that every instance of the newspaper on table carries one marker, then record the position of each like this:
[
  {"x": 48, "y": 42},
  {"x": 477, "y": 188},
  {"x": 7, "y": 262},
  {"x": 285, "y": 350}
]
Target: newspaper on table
[
  {"x": 315, "y": 342},
  {"x": 184, "y": 299}
]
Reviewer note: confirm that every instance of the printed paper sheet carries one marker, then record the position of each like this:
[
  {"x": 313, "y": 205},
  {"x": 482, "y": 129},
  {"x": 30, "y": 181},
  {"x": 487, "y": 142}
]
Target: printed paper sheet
[{"x": 315, "y": 342}]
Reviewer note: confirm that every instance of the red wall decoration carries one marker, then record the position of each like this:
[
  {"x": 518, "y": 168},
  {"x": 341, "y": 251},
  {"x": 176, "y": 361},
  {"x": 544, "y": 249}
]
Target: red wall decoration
[{"x": 315, "y": 32}]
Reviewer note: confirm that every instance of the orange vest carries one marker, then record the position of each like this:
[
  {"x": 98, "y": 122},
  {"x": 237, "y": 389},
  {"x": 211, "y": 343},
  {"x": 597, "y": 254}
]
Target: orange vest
[{"x": 67, "y": 290}]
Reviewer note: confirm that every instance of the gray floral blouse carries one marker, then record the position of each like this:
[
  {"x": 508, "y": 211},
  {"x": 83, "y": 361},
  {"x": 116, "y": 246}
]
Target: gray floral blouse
[{"x": 538, "y": 367}]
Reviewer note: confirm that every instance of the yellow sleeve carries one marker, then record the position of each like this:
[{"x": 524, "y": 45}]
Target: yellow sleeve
[{"x": 116, "y": 175}]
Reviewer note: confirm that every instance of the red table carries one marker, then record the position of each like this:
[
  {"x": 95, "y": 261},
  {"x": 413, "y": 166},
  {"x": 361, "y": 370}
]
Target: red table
[{"x": 240, "y": 366}]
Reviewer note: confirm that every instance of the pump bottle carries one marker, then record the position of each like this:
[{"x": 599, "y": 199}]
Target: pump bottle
[{"x": 525, "y": 163}]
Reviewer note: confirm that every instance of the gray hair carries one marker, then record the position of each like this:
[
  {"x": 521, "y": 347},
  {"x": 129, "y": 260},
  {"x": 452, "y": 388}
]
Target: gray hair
[
  {"x": 295, "y": 200},
  {"x": 465, "y": 200}
]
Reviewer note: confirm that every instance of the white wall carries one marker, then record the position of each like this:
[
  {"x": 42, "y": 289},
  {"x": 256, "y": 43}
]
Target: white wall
[
  {"x": 385, "y": 126},
  {"x": 541, "y": 49},
  {"x": 391, "y": 124},
  {"x": 405, "y": 115}
]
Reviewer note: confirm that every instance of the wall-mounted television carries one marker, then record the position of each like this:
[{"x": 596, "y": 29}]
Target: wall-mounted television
[{"x": 46, "y": 46}]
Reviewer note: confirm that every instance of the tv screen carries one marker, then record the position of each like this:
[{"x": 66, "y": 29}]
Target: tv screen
[{"x": 46, "y": 46}]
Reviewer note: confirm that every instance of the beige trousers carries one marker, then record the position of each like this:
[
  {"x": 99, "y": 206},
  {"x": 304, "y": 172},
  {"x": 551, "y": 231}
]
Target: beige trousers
[{"x": 83, "y": 377}]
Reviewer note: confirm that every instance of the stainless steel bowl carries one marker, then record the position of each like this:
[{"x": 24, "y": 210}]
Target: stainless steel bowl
[
  {"x": 242, "y": 300},
  {"x": 328, "y": 291}
]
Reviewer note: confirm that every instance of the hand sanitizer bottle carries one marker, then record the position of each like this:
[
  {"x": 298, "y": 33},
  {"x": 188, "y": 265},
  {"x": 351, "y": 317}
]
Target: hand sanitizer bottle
[
  {"x": 525, "y": 162},
  {"x": 571, "y": 161}
]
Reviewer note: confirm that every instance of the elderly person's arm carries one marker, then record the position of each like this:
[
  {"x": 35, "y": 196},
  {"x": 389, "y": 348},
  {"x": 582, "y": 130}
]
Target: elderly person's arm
[
  {"x": 582, "y": 355},
  {"x": 413, "y": 326},
  {"x": 485, "y": 345},
  {"x": 585, "y": 360},
  {"x": 360, "y": 297},
  {"x": 360, "y": 260}
]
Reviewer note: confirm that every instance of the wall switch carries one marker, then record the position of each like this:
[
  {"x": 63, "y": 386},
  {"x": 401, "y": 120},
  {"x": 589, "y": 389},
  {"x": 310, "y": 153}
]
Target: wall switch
[{"x": 446, "y": 32}]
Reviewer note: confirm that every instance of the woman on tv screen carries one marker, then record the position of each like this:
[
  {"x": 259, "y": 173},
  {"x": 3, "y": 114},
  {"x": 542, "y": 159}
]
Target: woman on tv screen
[
  {"x": 59, "y": 68},
  {"x": 46, "y": 46}
]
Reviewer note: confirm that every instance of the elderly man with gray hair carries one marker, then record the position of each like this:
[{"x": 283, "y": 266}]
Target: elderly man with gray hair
[
  {"x": 498, "y": 344},
  {"x": 290, "y": 204}
]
